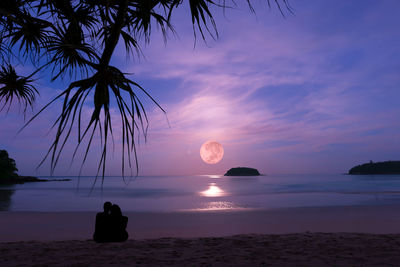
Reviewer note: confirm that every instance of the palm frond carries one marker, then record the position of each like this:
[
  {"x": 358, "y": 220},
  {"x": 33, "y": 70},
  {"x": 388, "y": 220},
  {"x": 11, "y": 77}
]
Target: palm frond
[
  {"x": 69, "y": 51},
  {"x": 141, "y": 14},
  {"x": 31, "y": 33},
  {"x": 201, "y": 15},
  {"x": 103, "y": 85},
  {"x": 15, "y": 86},
  {"x": 131, "y": 43}
]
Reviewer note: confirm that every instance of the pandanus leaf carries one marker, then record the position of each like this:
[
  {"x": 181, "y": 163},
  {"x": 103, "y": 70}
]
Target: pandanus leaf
[
  {"x": 69, "y": 51},
  {"x": 109, "y": 83},
  {"x": 16, "y": 87},
  {"x": 30, "y": 33}
]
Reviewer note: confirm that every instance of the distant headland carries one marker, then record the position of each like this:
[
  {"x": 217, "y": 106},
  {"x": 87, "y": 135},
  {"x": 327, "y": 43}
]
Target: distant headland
[
  {"x": 28, "y": 179},
  {"x": 242, "y": 171},
  {"x": 385, "y": 167},
  {"x": 9, "y": 175}
]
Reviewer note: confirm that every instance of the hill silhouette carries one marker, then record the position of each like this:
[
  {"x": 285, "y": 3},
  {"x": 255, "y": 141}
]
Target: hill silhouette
[
  {"x": 9, "y": 175},
  {"x": 8, "y": 168},
  {"x": 385, "y": 167},
  {"x": 242, "y": 171}
]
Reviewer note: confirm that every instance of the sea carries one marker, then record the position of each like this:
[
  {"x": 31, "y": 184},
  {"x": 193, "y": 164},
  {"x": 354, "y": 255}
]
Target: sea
[{"x": 200, "y": 193}]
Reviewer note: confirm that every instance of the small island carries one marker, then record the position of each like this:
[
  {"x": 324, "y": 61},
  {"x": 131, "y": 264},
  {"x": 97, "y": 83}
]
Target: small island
[
  {"x": 385, "y": 167},
  {"x": 9, "y": 175},
  {"x": 242, "y": 171}
]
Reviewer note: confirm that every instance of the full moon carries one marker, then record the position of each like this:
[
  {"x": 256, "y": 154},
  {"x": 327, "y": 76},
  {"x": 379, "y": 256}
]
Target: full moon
[{"x": 211, "y": 152}]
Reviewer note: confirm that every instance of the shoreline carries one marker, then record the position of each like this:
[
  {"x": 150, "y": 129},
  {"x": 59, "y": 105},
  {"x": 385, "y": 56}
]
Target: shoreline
[{"x": 56, "y": 226}]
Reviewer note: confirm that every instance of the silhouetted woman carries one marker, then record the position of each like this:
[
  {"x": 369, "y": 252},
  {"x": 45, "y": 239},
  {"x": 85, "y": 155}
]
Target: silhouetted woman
[{"x": 118, "y": 225}]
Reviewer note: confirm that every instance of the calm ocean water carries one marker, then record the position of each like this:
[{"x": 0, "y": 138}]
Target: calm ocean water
[{"x": 203, "y": 193}]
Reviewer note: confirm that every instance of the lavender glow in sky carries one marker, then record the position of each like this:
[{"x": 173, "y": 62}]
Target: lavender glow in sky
[{"x": 315, "y": 92}]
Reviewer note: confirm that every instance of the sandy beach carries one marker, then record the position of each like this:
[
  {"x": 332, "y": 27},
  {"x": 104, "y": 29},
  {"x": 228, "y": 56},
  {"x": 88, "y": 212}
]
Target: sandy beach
[
  {"x": 306, "y": 249},
  {"x": 336, "y": 236}
]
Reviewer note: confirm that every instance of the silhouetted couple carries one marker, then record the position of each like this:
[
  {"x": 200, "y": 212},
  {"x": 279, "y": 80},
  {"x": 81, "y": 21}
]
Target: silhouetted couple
[{"x": 110, "y": 225}]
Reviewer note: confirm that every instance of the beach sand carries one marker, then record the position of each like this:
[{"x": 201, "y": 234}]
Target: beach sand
[
  {"x": 313, "y": 249},
  {"x": 333, "y": 236}
]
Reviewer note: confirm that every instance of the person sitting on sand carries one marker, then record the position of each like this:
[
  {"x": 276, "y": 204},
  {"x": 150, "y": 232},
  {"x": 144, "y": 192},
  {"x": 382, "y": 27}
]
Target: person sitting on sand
[
  {"x": 103, "y": 224},
  {"x": 118, "y": 225},
  {"x": 110, "y": 225}
]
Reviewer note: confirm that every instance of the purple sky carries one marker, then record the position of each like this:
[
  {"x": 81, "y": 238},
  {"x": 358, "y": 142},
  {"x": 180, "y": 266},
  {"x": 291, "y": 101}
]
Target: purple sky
[{"x": 317, "y": 92}]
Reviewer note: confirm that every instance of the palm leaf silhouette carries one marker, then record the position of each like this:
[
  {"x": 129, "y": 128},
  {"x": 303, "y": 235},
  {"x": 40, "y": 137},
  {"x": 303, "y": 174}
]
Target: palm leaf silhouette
[
  {"x": 110, "y": 81},
  {"x": 69, "y": 51},
  {"x": 16, "y": 87}
]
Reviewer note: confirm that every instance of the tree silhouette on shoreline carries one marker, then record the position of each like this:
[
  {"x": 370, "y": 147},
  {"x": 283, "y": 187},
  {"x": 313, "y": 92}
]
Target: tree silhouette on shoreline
[
  {"x": 77, "y": 39},
  {"x": 8, "y": 168}
]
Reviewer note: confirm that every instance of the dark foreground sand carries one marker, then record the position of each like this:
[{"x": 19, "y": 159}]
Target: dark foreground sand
[{"x": 307, "y": 249}]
